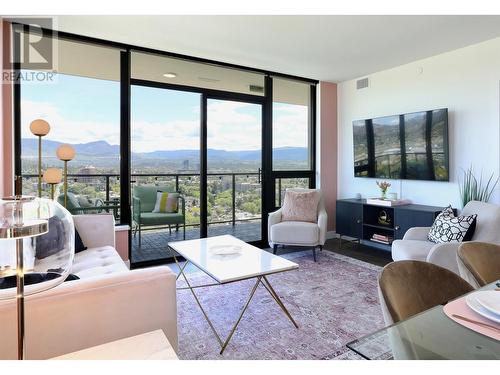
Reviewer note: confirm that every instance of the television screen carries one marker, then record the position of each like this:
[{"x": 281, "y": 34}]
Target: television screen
[{"x": 411, "y": 146}]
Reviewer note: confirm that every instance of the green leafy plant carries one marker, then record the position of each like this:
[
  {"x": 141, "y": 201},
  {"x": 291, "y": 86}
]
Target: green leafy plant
[{"x": 473, "y": 189}]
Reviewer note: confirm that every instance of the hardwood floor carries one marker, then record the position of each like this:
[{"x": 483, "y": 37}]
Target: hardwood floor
[{"x": 361, "y": 252}]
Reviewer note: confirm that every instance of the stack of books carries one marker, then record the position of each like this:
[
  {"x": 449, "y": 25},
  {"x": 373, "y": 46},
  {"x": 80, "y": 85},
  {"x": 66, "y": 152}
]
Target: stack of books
[
  {"x": 381, "y": 238},
  {"x": 387, "y": 202}
]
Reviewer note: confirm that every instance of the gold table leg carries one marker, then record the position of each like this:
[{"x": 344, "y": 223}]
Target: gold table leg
[
  {"x": 241, "y": 315},
  {"x": 273, "y": 293},
  {"x": 260, "y": 280},
  {"x": 198, "y": 301}
]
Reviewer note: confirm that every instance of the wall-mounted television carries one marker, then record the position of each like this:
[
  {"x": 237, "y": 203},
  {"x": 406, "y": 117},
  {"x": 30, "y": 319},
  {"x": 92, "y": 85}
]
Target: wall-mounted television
[{"x": 411, "y": 146}]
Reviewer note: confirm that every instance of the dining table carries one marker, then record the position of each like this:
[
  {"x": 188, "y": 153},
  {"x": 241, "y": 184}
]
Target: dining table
[{"x": 430, "y": 334}]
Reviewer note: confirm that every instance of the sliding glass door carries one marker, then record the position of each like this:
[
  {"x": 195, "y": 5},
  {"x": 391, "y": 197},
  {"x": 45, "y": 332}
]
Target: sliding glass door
[
  {"x": 206, "y": 148},
  {"x": 234, "y": 165},
  {"x": 165, "y": 156}
]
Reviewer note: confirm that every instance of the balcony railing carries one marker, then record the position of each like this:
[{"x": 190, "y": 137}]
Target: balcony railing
[{"x": 103, "y": 188}]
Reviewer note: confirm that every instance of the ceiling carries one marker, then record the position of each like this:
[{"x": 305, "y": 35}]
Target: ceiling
[{"x": 329, "y": 48}]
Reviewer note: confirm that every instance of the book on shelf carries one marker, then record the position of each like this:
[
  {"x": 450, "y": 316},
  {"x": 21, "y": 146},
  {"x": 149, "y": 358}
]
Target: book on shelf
[
  {"x": 381, "y": 241},
  {"x": 387, "y": 202},
  {"x": 380, "y": 238}
]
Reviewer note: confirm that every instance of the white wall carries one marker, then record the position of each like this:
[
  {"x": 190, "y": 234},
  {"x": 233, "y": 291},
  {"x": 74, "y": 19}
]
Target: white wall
[{"x": 466, "y": 81}]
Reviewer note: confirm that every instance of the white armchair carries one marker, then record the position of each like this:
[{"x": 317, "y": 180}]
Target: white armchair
[
  {"x": 298, "y": 233},
  {"x": 416, "y": 246}
]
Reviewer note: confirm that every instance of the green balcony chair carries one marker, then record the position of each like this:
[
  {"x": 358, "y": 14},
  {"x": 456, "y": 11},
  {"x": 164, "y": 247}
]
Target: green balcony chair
[
  {"x": 143, "y": 203},
  {"x": 79, "y": 205}
]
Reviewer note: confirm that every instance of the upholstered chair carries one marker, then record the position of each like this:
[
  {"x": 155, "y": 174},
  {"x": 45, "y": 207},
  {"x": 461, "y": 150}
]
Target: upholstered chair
[
  {"x": 298, "y": 233},
  {"x": 416, "y": 246},
  {"x": 409, "y": 287},
  {"x": 143, "y": 203},
  {"x": 479, "y": 263}
]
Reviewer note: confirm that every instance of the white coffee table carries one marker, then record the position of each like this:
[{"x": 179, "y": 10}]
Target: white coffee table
[{"x": 227, "y": 259}]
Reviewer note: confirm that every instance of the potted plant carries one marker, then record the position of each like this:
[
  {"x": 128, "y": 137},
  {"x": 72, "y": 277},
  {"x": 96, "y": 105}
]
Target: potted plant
[{"x": 473, "y": 189}]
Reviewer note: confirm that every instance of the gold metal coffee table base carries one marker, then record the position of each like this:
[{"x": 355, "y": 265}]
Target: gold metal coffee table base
[{"x": 260, "y": 280}]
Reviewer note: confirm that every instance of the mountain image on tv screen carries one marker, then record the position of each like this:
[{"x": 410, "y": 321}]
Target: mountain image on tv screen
[{"x": 410, "y": 146}]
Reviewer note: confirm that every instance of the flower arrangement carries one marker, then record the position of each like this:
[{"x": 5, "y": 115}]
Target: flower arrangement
[{"x": 383, "y": 186}]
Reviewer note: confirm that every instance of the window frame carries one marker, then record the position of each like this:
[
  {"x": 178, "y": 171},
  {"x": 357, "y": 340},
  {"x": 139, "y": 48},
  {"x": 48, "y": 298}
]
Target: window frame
[{"x": 268, "y": 174}]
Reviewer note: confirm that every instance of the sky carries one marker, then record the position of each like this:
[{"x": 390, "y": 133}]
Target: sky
[{"x": 82, "y": 110}]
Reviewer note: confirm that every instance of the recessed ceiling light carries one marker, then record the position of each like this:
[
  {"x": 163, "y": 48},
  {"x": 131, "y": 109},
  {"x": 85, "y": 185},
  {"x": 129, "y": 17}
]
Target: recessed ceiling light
[{"x": 170, "y": 75}]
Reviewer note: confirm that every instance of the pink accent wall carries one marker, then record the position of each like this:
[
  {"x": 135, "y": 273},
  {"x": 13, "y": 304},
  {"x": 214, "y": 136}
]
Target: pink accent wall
[
  {"x": 6, "y": 132},
  {"x": 121, "y": 243},
  {"x": 328, "y": 147}
]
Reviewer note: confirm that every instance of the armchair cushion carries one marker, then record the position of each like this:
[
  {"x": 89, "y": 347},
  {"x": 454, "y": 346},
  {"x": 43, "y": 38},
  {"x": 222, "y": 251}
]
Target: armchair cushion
[
  {"x": 160, "y": 218},
  {"x": 411, "y": 249},
  {"x": 301, "y": 206},
  {"x": 295, "y": 233}
]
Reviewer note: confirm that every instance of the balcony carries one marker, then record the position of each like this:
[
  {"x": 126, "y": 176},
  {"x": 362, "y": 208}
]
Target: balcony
[{"x": 233, "y": 205}]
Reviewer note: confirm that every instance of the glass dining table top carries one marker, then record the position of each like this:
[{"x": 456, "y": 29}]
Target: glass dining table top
[{"x": 428, "y": 335}]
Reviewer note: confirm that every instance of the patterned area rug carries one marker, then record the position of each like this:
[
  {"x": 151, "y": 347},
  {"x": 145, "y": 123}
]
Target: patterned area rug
[{"x": 333, "y": 301}]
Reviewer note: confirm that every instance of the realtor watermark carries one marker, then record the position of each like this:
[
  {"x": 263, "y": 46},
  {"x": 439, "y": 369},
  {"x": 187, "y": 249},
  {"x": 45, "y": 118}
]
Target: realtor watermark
[{"x": 33, "y": 57}]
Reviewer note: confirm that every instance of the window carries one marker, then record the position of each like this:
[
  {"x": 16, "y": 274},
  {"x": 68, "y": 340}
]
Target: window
[
  {"x": 282, "y": 184},
  {"x": 291, "y": 125},
  {"x": 82, "y": 107},
  {"x": 199, "y": 128},
  {"x": 292, "y": 153}
]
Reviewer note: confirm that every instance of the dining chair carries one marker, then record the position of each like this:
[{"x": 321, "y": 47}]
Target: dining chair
[
  {"x": 479, "y": 263},
  {"x": 409, "y": 287}
]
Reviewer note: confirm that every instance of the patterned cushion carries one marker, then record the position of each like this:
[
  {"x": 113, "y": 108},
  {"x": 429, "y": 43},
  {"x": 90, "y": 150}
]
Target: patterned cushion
[
  {"x": 450, "y": 228},
  {"x": 300, "y": 206},
  {"x": 166, "y": 202}
]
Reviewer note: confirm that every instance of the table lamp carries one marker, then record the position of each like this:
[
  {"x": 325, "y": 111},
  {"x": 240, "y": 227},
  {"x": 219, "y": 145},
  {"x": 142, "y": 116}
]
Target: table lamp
[
  {"x": 65, "y": 153},
  {"x": 52, "y": 176},
  {"x": 40, "y": 128},
  {"x": 28, "y": 256}
]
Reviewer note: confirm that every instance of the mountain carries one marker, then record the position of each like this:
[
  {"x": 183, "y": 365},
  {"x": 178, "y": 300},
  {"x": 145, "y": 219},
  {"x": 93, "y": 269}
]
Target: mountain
[
  {"x": 283, "y": 153},
  {"x": 103, "y": 149},
  {"x": 98, "y": 148}
]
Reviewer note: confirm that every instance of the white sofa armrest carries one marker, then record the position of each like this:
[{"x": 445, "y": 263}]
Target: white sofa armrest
[
  {"x": 322, "y": 223},
  {"x": 417, "y": 233},
  {"x": 445, "y": 255},
  {"x": 88, "y": 312},
  {"x": 96, "y": 230}
]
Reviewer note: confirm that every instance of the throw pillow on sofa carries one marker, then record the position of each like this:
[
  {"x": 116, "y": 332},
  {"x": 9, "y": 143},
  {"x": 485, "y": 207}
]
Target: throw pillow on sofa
[
  {"x": 79, "y": 245},
  {"x": 450, "y": 228},
  {"x": 166, "y": 202},
  {"x": 53, "y": 241},
  {"x": 300, "y": 206}
]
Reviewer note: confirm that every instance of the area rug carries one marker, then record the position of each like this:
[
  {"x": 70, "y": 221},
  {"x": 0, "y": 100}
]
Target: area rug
[{"x": 334, "y": 301}]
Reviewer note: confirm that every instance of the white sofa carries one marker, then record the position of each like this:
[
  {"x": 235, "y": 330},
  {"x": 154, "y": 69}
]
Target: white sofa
[
  {"x": 108, "y": 303},
  {"x": 415, "y": 246},
  {"x": 298, "y": 233}
]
